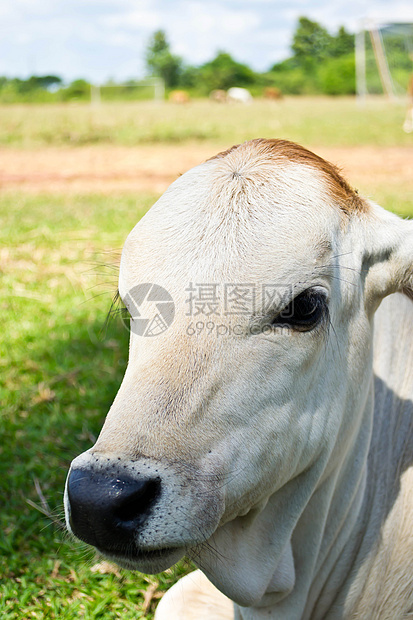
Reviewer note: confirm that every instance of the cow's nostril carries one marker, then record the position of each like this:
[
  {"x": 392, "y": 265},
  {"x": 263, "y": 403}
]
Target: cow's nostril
[
  {"x": 107, "y": 512},
  {"x": 132, "y": 500}
]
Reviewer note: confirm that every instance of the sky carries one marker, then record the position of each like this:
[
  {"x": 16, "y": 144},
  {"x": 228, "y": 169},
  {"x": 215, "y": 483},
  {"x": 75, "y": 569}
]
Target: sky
[{"x": 106, "y": 39}]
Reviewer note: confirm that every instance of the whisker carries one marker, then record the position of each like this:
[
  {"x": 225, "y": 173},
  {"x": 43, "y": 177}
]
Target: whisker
[
  {"x": 117, "y": 308},
  {"x": 329, "y": 266},
  {"x": 93, "y": 297},
  {"x": 340, "y": 279}
]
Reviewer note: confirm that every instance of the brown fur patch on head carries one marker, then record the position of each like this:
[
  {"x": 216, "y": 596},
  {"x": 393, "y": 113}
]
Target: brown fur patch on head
[{"x": 281, "y": 150}]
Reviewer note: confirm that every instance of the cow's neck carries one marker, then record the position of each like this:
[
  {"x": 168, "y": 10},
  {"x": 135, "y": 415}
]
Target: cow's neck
[
  {"x": 380, "y": 550},
  {"x": 314, "y": 516}
]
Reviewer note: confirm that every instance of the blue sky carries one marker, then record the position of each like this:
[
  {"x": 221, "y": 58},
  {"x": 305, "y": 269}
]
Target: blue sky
[{"x": 101, "y": 39}]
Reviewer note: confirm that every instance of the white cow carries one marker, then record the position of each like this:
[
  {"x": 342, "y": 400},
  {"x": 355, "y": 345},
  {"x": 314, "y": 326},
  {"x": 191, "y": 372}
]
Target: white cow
[
  {"x": 265, "y": 429},
  {"x": 239, "y": 95}
]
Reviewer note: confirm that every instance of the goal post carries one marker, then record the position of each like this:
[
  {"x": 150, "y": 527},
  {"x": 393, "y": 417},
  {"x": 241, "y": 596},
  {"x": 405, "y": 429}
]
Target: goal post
[
  {"x": 152, "y": 88},
  {"x": 361, "y": 83},
  {"x": 384, "y": 58}
]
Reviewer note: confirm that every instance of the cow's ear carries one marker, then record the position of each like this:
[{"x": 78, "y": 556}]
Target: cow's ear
[{"x": 387, "y": 256}]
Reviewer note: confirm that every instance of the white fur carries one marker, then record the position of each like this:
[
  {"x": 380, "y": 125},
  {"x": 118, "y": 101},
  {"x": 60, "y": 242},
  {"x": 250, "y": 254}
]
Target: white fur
[{"x": 284, "y": 452}]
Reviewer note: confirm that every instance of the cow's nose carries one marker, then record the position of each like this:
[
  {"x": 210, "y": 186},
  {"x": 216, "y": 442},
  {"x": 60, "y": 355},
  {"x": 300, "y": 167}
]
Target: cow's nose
[{"x": 106, "y": 511}]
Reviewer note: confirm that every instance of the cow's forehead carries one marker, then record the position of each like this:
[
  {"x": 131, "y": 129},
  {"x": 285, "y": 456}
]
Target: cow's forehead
[{"x": 240, "y": 216}]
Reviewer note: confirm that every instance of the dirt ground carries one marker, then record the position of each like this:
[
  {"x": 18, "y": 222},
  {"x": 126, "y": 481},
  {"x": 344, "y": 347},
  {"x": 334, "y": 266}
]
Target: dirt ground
[{"x": 151, "y": 168}]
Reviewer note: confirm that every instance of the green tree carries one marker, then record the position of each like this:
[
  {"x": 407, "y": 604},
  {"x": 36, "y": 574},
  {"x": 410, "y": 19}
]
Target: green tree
[
  {"x": 338, "y": 76},
  {"x": 223, "y": 72},
  {"x": 77, "y": 90},
  {"x": 311, "y": 43},
  {"x": 160, "y": 62},
  {"x": 342, "y": 44}
]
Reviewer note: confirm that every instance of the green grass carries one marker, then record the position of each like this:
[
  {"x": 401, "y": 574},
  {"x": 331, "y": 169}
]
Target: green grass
[
  {"x": 316, "y": 121},
  {"x": 59, "y": 374},
  {"x": 398, "y": 200}
]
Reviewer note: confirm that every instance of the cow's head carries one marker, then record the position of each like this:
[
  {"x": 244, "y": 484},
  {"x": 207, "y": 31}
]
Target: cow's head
[{"x": 250, "y": 389}]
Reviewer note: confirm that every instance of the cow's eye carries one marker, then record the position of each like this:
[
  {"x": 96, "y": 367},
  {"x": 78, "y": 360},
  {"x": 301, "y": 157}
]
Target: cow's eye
[{"x": 304, "y": 312}]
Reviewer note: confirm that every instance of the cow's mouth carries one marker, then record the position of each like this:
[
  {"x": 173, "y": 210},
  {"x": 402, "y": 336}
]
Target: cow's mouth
[{"x": 146, "y": 560}]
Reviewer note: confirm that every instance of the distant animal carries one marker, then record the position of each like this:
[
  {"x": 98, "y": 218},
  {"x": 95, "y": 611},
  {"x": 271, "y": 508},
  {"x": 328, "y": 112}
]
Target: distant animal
[
  {"x": 179, "y": 96},
  {"x": 219, "y": 96},
  {"x": 239, "y": 95},
  {"x": 265, "y": 430},
  {"x": 273, "y": 93}
]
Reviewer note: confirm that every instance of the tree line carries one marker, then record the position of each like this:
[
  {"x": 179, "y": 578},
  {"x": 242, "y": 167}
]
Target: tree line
[{"x": 320, "y": 63}]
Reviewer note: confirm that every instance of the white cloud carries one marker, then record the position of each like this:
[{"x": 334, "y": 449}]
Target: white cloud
[
  {"x": 135, "y": 19},
  {"x": 102, "y": 38}
]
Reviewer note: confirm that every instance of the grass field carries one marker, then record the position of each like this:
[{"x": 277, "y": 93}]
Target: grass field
[
  {"x": 60, "y": 367},
  {"x": 321, "y": 121}
]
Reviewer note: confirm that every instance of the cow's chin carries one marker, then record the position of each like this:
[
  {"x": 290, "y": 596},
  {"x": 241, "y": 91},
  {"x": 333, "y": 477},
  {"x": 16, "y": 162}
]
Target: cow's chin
[{"x": 149, "y": 561}]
